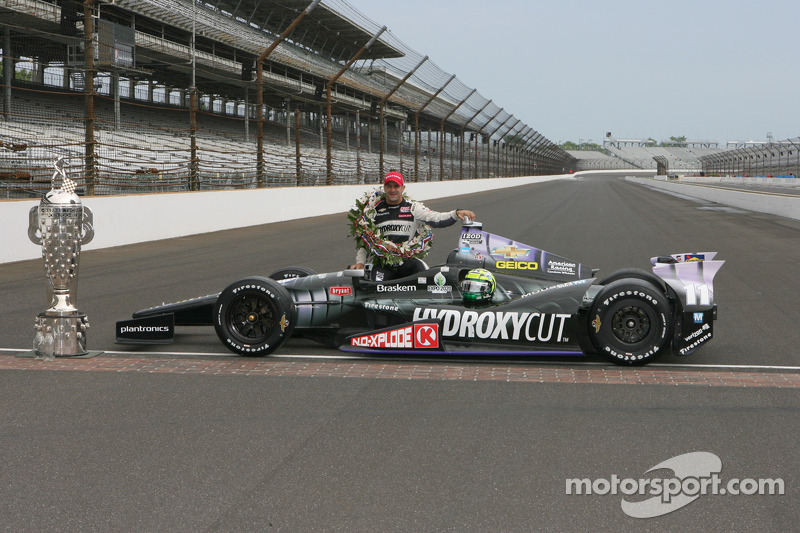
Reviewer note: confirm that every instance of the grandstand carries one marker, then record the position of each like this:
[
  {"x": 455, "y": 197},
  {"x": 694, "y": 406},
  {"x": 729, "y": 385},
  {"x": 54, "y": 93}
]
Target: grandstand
[{"x": 175, "y": 97}]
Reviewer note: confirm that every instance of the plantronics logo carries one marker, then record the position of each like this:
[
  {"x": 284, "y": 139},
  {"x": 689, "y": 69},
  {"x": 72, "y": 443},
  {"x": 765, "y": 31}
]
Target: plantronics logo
[
  {"x": 695, "y": 474},
  {"x": 144, "y": 329}
]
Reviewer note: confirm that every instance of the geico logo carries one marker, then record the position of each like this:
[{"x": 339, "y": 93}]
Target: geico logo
[
  {"x": 143, "y": 329},
  {"x": 396, "y": 288},
  {"x": 511, "y": 325},
  {"x": 518, "y": 265}
]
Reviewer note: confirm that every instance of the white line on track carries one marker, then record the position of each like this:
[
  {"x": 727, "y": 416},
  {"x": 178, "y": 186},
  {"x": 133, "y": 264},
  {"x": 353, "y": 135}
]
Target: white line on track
[{"x": 531, "y": 361}]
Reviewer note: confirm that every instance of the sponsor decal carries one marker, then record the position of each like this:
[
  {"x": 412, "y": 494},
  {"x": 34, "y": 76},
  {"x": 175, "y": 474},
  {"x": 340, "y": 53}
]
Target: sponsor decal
[
  {"x": 596, "y": 323},
  {"x": 395, "y": 228},
  {"x": 340, "y": 291},
  {"x": 695, "y": 344},
  {"x": 440, "y": 289},
  {"x": 380, "y": 307},
  {"x": 508, "y": 325},
  {"x": 473, "y": 238},
  {"x": 144, "y": 329},
  {"x": 518, "y": 265},
  {"x": 464, "y": 249},
  {"x": 445, "y": 269},
  {"x": 561, "y": 267},
  {"x": 396, "y": 288},
  {"x": 422, "y": 281},
  {"x": 698, "y": 318},
  {"x": 690, "y": 257},
  {"x": 439, "y": 279},
  {"x": 697, "y": 333},
  {"x": 560, "y": 286},
  {"x": 510, "y": 251},
  {"x": 405, "y": 208},
  {"x": 284, "y": 323},
  {"x": 413, "y": 336}
]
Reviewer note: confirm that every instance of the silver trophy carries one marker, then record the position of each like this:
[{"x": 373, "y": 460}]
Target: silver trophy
[{"x": 61, "y": 224}]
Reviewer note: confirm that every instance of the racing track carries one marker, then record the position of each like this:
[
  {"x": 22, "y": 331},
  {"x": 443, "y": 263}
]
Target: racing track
[
  {"x": 122, "y": 446},
  {"x": 603, "y": 222}
]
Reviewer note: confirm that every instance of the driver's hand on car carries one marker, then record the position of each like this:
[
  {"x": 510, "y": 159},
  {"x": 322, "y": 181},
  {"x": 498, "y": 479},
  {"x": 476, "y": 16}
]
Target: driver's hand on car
[
  {"x": 357, "y": 266},
  {"x": 465, "y": 213}
]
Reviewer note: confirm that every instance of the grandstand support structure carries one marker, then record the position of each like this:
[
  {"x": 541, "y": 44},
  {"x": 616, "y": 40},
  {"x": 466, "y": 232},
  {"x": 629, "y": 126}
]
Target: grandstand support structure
[
  {"x": 441, "y": 132},
  {"x": 416, "y": 124},
  {"x": 329, "y": 89},
  {"x": 161, "y": 95},
  {"x": 382, "y": 109},
  {"x": 260, "y": 94},
  {"x": 477, "y": 143},
  {"x": 461, "y": 136}
]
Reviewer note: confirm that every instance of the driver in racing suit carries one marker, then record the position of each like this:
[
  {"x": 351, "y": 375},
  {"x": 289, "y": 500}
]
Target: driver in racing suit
[{"x": 398, "y": 220}]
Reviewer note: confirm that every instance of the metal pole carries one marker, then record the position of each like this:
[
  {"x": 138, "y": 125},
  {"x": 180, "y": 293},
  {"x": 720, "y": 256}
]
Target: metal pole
[
  {"x": 382, "y": 104},
  {"x": 477, "y": 133},
  {"x": 441, "y": 128},
  {"x": 260, "y": 85},
  {"x": 416, "y": 126},
  {"x": 461, "y": 169},
  {"x": 88, "y": 17},
  {"x": 8, "y": 72},
  {"x": 329, "y": 89},
  {"x": 499, "y": 140}
]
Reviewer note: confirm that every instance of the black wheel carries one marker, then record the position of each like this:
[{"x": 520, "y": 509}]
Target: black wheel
[
  {"x": 292, "y": 272},
  {"x": 254, "y": 316},
  {"x": 635, "y": 273},
  {"x": 630, "y": 322}
]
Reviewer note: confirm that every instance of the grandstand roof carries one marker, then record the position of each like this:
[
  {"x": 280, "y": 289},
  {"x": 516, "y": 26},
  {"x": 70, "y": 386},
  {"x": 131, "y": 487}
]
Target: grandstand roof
[{"x": 324, "y": 29}]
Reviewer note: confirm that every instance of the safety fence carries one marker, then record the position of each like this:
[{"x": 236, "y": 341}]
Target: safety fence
[{"x": 772, "y": 159}]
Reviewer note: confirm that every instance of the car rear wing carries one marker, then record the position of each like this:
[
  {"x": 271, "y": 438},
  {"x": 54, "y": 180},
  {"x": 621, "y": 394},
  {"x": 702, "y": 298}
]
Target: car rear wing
[{"x": 691, "y": 277}]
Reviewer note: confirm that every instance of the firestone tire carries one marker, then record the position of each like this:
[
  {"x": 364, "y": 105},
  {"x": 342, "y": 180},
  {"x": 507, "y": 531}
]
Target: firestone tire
[
  {"x": 630, "y": 322},
  {"x": 634, "y": 273},
  {"x": 254, "y": 316},
  {"x": 292, "y": 272}
]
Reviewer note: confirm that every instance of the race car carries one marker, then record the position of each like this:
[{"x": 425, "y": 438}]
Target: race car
[{"x": 543, "y": 305}]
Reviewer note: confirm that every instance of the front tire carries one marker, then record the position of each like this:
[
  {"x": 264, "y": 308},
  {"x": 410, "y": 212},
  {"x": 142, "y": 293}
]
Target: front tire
[
  {"x": 631, "y": 323},
  {"x": 254, "y": 316}
]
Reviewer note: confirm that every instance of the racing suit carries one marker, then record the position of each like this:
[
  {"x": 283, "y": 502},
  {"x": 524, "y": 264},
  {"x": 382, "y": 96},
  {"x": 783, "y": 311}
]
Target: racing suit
[{"x": 399, "y": 223}]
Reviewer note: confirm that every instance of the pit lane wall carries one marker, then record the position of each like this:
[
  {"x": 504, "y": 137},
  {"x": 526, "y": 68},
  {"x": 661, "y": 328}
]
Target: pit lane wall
[
  {"x": 120, "y": 220},
  {"x": 702, "y": 188}
]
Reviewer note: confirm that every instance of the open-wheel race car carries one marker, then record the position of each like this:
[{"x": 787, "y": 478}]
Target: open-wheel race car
[{"x": 543, "y": 304}]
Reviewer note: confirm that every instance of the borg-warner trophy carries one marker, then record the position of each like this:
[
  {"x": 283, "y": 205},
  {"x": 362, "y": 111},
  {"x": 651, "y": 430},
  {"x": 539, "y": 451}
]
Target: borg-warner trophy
[{"x": 61, "y": 224}]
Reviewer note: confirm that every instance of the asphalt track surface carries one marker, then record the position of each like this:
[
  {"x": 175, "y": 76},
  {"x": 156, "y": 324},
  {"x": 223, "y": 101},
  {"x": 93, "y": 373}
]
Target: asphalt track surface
[{"x": 192, "y": 438}]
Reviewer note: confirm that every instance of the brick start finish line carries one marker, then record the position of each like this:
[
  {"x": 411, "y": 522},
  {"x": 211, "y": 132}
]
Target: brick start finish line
[{"x": 428, "y": 371}]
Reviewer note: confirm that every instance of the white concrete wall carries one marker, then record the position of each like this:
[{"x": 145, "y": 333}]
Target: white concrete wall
[
  {"x": 772, "y": 203},
  {"x": 120, "y": 220}
]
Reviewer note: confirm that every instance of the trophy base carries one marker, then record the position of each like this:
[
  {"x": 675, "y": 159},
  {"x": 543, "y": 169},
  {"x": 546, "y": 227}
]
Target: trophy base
[{"x": 60, "y": 336}]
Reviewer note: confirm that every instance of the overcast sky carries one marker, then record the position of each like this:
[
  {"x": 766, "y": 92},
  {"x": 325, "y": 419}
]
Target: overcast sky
[{"x": 575, "y": 69}]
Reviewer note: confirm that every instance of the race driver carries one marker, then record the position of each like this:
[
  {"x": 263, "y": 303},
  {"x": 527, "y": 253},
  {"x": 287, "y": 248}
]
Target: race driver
[{"x": 398, "y": 219}]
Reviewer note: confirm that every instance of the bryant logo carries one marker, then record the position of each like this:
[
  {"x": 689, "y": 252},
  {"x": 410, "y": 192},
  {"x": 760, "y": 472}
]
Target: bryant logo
[{"x": 340, "y": 291}]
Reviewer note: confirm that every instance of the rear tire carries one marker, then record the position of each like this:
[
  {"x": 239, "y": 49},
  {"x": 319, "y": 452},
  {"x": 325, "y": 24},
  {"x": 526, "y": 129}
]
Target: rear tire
[
  {"x": 634, "y": 273},
  {"x": 292, "y": 272},
  {"x": 254, "y": 316},
  {"x": 631, "y": 323}
]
